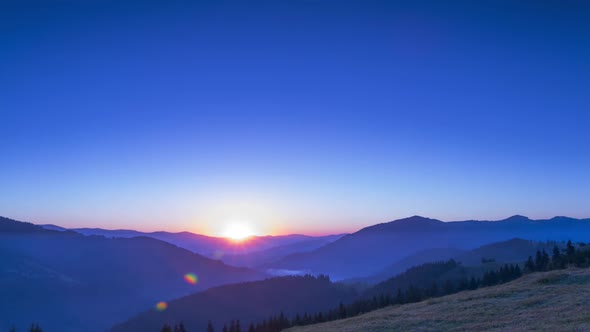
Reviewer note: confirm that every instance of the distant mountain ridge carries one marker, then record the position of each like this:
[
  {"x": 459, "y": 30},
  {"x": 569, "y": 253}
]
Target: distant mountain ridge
[
  {"x": 373, "y": 248},
  {"x": 510, "y": 251},
  {"x": 253, "y": 252}
]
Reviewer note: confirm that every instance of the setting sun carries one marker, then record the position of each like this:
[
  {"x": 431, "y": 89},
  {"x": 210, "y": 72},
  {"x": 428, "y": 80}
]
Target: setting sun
[{"x": 238, "y": 231}]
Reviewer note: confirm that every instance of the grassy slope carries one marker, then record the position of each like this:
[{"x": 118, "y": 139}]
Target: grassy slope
[{"x": 550, "y": 301}]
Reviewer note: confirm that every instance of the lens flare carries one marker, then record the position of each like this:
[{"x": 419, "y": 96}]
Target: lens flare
[
  {"x": 191, "y": 278},
  {"x": 161, "y": 306}
]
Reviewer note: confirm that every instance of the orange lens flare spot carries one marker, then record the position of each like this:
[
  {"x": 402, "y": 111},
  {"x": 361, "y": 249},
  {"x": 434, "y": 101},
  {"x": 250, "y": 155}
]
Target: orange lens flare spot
[
  {"x": 191, "y": 278},
  {"x": 161, "y": 306}
]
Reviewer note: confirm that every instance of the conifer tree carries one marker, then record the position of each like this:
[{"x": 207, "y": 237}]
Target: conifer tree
[
  {"x": 210, "y": 327},
  {"x": 35, "y": 328},
  {"x": 448, "y": 287},
  {"x": 342, "y": 310},
  {"x": 530, "y": 265},
  {"x": 570, "y": 251},
  {"x": 473, "y": 283},
  {"x": 179, "y": 327}
]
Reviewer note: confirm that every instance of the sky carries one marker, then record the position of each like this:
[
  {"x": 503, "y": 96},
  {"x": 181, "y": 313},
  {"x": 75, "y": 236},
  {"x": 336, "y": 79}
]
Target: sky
[{"x": 292, "y": 116}]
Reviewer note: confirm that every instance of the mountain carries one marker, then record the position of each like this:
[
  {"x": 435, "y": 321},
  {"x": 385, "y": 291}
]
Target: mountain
[
  {"x": 424, "y": 256},
  {"x": 256, "y": 251},
  {"x": 511, "y": 251},
  {"x": 374, "y": 248},
  {"x": 256, "y": 301},
  {"x": 70, "y": 282},
  {"x": 549, "y": 301},
  {"x": 247, "y": 302}
]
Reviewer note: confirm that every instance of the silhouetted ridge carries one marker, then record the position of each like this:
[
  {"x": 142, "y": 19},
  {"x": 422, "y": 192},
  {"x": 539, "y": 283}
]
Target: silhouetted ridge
[
  {"x": 406, "y": 224},
  {"x": 248, "y": 302},
  {"x": 517, "y": 217},
  {"x": 10, "y": 225}
]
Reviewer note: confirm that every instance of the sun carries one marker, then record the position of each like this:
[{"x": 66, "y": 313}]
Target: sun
[{"x": 238, "y": 231}]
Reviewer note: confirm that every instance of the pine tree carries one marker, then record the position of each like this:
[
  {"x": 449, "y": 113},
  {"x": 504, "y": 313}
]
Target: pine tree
[
  {"x": 342, "y": 310},
  {"x": 224, "y": 328},
  {"x": 399, "y": 297},
  {"x": 463, "y": 284},
  {"x": 570, "y": 251},
  {"x": 557, "y": 260},
  {"x": 538, "y": 261},
  {"x": 545, "y": 260},
  {"x": 251, "y": 328},
  {"x": 529, "y": 266},
  {"x": 296, "y": 320},
  {"x": 473, "y": 283},
  {"x": 448, "y": 287},
  {"x": 433, "y": 291},
  {"x": 210, "y": 327},
  {"x": 179, "y": 327},
  {"x": 166, "y": 328}
]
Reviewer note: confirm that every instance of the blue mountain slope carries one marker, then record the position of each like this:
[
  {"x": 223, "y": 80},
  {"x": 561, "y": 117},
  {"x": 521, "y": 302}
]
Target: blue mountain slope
[
  {"x": 69, "y": 282},
  {"x": 373, "y": 248}
]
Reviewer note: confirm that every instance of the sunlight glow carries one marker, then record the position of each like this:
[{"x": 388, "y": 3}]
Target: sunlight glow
[{"x": 238, "y": 231}]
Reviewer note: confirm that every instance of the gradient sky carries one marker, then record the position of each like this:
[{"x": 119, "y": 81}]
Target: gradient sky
[{"x": 292, "y": 116}]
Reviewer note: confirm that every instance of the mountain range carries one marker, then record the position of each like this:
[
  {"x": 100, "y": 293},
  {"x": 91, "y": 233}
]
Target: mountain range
[
  {"x": 372, "y": 249},
  {"x": 254, "y": 252},
  {"x": 91, "y": 279},
  {"x": 66, "y": 281}
]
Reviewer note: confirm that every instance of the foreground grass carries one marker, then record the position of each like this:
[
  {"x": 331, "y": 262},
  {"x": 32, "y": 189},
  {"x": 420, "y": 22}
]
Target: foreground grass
[{"x": 548, "y": 301}]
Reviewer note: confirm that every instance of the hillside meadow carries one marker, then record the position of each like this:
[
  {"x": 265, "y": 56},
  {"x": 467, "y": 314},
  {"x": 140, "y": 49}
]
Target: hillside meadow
[{"x": 549, "y": 301}]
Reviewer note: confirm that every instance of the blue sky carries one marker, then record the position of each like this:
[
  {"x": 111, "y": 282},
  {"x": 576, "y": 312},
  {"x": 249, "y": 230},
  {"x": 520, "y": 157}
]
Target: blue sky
[{"x": 292, "y": 116}]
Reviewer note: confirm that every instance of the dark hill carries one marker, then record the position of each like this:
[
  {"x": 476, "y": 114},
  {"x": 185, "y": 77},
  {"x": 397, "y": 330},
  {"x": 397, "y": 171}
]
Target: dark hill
[{"x": 248, "y": 302}]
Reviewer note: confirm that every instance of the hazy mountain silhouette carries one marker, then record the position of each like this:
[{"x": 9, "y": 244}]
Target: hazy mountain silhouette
[
  {"x": 248, "y": 302},
  {"x": 69, "y": 282},
  {"x": 374, "y": 248},
  {"x": 256, "y": 251},
  {"x": 511, "y": 251}
]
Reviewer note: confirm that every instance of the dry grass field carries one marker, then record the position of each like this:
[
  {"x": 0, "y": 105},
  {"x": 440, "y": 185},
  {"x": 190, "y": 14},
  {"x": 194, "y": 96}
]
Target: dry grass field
[{"x": 549, "y": 301}]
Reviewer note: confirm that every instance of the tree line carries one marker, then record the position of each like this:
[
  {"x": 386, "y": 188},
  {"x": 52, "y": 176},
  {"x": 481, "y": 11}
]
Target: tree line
[
  {"x": 559, "y": 259},
  {"x": 34, "y": 328}
]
